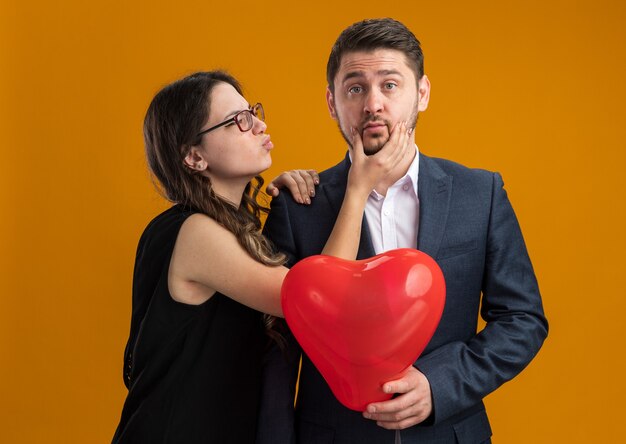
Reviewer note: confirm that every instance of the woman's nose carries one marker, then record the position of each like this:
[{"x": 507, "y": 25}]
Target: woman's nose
[{"x": 258, "y": 126}]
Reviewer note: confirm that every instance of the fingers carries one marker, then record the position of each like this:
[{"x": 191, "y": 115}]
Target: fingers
[
  {"x": 271, "y": 189},
  {"x": 397, "y": 132},
  {"x": 300, "y": 183},
  {"x": 384, "y": 410},
  {"x": 395, "y": 148},
  {"x": 404, "y": 144},
  {"x": 398, "y": 413},
  {"x": 412, "y": 379},
  {"x": 413, "y": 405},
  {"x": 367, "y": 171},
  {"x": 302, "y": 188},
  {"x": 402, "y": 424},
  {"x": 315, "y": 177},
  {"x": 402, "y": 419},
  {"x": 357, "y": 144},
  {"x": 401, "y": 412},
  {"x": 297, "y": 187},
  {"x": 401, "y": 385},
  {"x": 310, "y": 181},
  {"x": 405, "y": 140}
]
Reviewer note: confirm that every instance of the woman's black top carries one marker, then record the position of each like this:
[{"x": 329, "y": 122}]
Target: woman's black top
[{"x": 192, "y": 371}]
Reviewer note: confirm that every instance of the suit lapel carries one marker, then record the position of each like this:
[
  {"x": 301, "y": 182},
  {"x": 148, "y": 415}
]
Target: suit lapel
[
  {"x": 335, "y": 190},
  {"x": 434, "y": 190}
]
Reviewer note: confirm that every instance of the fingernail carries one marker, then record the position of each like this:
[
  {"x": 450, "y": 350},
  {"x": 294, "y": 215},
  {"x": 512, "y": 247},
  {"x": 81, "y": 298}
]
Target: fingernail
[
  {"x": 312, "y": 193},
  {"x": 367, "y": 415},
  {"x": 317, "y": 182},
  {"x": 308, "y": 201}
]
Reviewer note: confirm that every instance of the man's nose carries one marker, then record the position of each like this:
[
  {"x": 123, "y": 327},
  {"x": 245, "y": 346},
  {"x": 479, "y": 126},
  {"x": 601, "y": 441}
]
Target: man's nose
[{"x": 374, "y": 102}]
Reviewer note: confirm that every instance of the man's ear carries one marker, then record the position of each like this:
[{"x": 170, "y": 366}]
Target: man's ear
[
  {"x": 195, "y": 160},
  {"x": 330, "y": 101},
  {"x": 423, "y": 93}
]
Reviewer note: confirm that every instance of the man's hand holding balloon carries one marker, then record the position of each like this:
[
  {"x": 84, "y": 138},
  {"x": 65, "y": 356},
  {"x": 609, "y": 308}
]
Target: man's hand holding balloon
[{"x": 412, "y": 406}]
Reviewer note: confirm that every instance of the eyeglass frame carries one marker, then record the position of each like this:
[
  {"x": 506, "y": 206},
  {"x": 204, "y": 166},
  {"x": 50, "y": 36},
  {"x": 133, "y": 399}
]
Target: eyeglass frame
[{"x": 256, "y": 107}]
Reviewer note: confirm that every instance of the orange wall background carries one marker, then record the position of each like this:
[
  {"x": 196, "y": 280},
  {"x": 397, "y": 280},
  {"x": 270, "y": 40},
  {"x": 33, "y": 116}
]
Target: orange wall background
[{"x": 534, "y": 89}]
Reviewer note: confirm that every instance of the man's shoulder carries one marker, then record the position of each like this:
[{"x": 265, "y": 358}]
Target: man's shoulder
[
  {"x": 456, "y": 170},
  {"x": 335, "y": 173},
  {"x": 332, "y": 181}
]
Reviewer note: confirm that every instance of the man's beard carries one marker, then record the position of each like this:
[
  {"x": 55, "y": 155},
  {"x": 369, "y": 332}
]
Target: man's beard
[{"x": 374, "y": 145}]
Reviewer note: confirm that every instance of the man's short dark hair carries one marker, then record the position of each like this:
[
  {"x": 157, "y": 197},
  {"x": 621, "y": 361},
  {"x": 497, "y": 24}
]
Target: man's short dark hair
[{"x": 372, "y": 34}]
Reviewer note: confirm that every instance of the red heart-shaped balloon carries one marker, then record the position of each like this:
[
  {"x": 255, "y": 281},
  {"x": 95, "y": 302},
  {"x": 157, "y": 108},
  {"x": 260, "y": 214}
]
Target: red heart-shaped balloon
[{"x": 363, "y": 323}]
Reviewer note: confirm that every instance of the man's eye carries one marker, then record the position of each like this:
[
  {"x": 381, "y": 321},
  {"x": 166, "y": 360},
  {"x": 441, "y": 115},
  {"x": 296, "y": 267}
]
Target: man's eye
[
  {"x": 390, "y": 85},
  {"x": 355, "y": 90}
]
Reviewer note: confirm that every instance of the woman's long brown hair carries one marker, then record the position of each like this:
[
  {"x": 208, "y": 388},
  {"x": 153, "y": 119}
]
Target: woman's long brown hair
[{"x": 173, "y": 120}]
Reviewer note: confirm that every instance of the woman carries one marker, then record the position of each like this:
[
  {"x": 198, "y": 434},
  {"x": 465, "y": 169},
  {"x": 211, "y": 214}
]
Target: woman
[{"x": 204, "y": 274}]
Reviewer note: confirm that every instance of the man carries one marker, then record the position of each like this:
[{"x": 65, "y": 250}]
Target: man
[{"x": 459, "y": 216}]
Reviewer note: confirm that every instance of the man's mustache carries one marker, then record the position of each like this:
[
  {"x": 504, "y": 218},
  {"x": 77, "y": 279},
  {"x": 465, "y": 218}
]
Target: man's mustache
[{"x": 374, "y": 119}]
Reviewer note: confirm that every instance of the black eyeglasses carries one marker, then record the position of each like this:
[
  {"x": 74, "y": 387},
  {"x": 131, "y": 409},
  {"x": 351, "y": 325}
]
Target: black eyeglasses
[{"x": 243, "y": 119}]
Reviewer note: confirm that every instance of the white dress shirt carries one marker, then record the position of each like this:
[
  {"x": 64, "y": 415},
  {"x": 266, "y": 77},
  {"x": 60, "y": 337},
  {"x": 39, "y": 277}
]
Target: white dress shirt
[{"x": 393, "y": 219}]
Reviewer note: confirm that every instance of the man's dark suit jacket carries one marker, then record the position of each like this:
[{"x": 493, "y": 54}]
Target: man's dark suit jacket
[{"x": 468, "y": 226}]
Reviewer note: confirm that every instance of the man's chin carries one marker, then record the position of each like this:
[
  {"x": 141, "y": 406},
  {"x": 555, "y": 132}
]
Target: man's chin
[{"x": 373, "y": 146}]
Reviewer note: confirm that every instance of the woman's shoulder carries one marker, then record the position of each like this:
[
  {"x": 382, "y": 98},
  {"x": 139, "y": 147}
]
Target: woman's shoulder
[
  {"x": 201, "y": 233},
  {"x": 175, "y": 214},
  {"x": 170, "y": 221},
  {"x": 162, "y": 231}
]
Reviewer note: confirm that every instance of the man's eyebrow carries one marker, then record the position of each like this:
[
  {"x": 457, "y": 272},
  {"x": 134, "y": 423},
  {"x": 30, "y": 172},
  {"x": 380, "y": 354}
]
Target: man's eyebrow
[
  {"x": 352, "y": 75},
  {"x": 382, "y": 72},
  {"x": 388, "y": 72}
]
